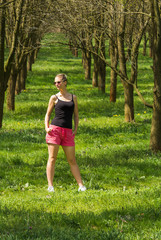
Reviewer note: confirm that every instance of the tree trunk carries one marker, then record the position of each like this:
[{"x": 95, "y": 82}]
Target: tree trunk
[
  {"x": 14, "y": 41},
  {"x": 23, "y": 75},
  {"x": 150, "y": 46},
  {"x": 18, "y": 84},
  {"x": 129, "y": 102},
  {"x": 129, "y": 47},
  {"x": 155, "y": 137},
  {"x": 2, "y": 79},
  {"x": 101, "y": 75},
  {"x": 95, "y": 49},
  {"x": 114, "y": 63},
  {"x": 29, "y": 64},
  {"x": 87, "y": 64},
  {"x": 102, "y": 64},
  {"x": 75, "y": 51},
  {"x": 95, "y": 71},
  {"x": 134, "y": 69},
  {"x": 144, "y": 36},
  {"x": 30, "y": 61},
  {"x": 83, "y": 58},
  {"x": 128, "y": 89},
  {"x": 135, "y": 53},
  {"x": 11, "y": 89},
  {"x": 113, "y": 87},
  {"x": 144, "y": 44},
  {"x": 36, "y": 53}
]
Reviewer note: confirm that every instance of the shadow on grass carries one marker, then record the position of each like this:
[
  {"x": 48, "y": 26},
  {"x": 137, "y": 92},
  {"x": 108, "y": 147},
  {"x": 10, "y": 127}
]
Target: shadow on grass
[
  {"x": 22, "y": 136},
  {"x": 103, "y": 132},
  {"x": 108, "y": 167},
  {"x": 92, "y": 133},
  {"x": 127, "y": 161},
  {"x": 55, "y": 226},
  {"x": 106, "y": 225}
]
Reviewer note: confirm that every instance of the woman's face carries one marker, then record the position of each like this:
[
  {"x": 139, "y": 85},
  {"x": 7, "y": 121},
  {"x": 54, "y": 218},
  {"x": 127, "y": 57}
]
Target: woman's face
[{"x": 59, "y": 83}]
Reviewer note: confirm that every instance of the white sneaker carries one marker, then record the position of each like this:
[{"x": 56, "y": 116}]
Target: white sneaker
[
  {"x": 51, "y": 189},
  {"x": 81, "y": 189}
]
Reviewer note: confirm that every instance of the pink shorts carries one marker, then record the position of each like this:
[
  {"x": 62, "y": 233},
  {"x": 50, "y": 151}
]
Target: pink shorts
[{"x": 60, "y": 136}]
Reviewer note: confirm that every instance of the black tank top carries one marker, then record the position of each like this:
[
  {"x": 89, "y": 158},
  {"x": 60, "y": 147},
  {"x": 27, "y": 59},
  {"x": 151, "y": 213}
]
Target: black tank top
[{"x": 63, "y": 113}]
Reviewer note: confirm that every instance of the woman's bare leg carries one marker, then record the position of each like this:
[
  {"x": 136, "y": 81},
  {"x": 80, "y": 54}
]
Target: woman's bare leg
[
  {"x": 70, "y": 155},
  {"x": 50, "y": 169}
]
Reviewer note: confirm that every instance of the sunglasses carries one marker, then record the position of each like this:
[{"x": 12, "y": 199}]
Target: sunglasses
[{"x": 58, "y": 82}]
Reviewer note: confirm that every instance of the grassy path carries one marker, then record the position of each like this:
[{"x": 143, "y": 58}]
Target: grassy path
[{"x": 122, "y": 176}]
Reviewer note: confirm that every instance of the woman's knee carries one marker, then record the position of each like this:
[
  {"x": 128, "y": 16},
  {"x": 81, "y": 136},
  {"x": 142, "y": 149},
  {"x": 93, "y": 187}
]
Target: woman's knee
[
  {"x": 52, "y": 160},
  {"x": 72, "y": 161}
]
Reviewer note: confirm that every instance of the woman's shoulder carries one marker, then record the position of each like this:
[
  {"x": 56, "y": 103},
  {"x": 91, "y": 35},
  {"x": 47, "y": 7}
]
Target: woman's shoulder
[
  {"x": 53, "y": 97},
  {"x": 74, "y": 97}
]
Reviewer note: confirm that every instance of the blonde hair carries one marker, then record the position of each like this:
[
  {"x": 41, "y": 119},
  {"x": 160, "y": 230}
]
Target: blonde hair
[{"x": 62, "y": 76}]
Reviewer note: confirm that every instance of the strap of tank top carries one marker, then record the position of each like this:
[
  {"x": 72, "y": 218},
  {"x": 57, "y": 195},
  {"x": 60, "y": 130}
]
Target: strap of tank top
[
  {"x": 72, "y": 97},
  {"x": 57, "y": 98}
]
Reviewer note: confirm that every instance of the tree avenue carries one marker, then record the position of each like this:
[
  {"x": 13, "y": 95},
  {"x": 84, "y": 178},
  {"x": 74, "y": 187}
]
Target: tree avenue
[
  {"x": 123, "y": 24},
  {"x": 99, "y": 28},
  {"x": 99, "y": 22}
]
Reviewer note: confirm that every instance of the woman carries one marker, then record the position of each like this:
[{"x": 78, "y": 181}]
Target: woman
[{"x": 60, "y": 131}]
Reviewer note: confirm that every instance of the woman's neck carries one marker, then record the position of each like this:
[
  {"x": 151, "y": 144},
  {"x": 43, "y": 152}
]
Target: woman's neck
[{"x": 63, "y": 92}]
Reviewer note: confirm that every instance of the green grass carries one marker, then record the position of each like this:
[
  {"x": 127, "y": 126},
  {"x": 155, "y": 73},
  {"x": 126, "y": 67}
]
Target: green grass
[{"x": 121, "y": 174}]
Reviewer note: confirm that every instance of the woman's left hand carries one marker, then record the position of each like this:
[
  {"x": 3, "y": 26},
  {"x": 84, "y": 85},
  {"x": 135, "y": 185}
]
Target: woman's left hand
[{"x": 74, "y": 132}]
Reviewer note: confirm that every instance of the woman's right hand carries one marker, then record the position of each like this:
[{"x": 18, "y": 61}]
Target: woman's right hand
[{"x": 48, "y": 130}]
